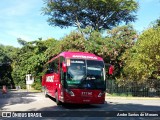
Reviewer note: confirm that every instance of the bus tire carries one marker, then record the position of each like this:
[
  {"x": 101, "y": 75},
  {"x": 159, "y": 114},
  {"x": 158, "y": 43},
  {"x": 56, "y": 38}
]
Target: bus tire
[{"x": 56, "y": 97}]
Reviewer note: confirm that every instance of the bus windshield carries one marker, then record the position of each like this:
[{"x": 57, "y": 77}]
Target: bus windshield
[{"x": 85, "y": 74}]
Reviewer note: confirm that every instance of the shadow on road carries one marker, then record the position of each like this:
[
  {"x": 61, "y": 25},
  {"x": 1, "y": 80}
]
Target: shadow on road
[
  {"x": 15, "y": 97},
  {"x": 74, "y": 106},
  {"x": 108, "y": 106}
]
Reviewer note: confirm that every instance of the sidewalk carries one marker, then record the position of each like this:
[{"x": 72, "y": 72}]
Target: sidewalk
[{"x": 132, "y": 98}]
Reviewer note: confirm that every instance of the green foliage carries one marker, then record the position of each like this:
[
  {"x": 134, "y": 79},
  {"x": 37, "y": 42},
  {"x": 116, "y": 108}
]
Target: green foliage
[
  {"x": 156, "y": 23},
  {"x": 37, "y": 84},
  {"x": 73, "y": 42},
  {"x": 7, "y": 54},
  {"x": 121, "y": 95},
  {"x": 22, "y": 84},
  {"x": 4, "y": 58},
  {"x": 21, "y": 41},
  {"x": 30, "y": 60},
  {"x": 100, "y": 14},
  {"x": 143, "y": 60}
]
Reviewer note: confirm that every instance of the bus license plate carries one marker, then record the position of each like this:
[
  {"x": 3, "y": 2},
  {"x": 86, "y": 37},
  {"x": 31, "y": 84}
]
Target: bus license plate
[{"x": 86, "y": 100}]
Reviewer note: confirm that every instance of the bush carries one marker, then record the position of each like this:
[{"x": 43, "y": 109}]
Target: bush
[
  {"x": 37, "y": 85},
  {"x": 22, "y": 84}
]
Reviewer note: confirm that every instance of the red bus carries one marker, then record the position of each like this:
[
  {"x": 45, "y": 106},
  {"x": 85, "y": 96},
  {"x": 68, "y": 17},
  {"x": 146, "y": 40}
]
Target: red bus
[{"x": 75, "y": 77}]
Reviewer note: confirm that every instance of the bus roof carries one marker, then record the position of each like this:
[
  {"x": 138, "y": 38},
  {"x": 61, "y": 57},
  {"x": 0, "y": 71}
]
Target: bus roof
[{"x": 78, "y": 55}]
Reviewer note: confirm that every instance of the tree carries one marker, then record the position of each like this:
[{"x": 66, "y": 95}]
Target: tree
[
  {"x": 119, "y": 39},
  {"x": 143, "y": 60},
  {"x": 100, "y": 14},
  {"x": 30, "y": 60},
  {"x": 156, "y": 23},
  {"x": 4, "y": 58},
  {"x": 110, "y": 47},
  {"x": 7, "y": 54}
]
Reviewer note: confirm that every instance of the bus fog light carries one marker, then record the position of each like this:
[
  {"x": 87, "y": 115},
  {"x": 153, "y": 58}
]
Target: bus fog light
[{"x": 101, "y": 93}]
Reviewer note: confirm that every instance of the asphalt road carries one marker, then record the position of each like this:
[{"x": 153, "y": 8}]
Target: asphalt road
[{"x": 36, "y": 102}]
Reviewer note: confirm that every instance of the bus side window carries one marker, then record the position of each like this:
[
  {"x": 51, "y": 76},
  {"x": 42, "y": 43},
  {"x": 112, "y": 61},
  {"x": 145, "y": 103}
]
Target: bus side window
[
  {"x": 54, "y": 66},
  {"x": 49, "y": 70}
]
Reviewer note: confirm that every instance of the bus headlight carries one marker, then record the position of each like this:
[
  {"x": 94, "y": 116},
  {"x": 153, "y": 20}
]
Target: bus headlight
[
  {"x": 70, "y": 92},
  {"x": 100, "y": 94}
]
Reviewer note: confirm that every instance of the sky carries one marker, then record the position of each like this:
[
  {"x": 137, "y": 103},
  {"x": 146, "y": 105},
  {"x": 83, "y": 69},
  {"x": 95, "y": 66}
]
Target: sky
[{"x": 24, "y": 19}]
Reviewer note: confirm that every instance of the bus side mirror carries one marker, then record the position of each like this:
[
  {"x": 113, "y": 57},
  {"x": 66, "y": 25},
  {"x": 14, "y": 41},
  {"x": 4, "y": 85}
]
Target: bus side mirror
[
  {"x": 64, "y": 68},
  {"x": 111, "y": 70}
]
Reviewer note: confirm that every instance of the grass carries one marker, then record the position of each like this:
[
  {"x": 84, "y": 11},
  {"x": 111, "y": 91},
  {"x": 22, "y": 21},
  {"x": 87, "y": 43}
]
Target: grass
[
  {"x": 32, "y": 90},
  {"x": 120, "y": 95},
  {"x": 21, "y": 90}
]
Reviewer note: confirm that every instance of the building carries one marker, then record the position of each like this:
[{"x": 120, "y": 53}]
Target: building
[{"x": 29, "y": 81}]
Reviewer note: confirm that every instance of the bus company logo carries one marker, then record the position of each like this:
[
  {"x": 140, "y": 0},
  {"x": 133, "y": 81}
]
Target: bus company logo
[
  {"x": 86, "y": 93},
  {"x": 49, "y": 78}
]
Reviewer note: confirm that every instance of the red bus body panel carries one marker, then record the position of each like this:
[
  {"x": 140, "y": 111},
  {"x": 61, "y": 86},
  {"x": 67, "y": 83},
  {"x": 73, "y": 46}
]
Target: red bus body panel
[{"x": 89, "y": 97}]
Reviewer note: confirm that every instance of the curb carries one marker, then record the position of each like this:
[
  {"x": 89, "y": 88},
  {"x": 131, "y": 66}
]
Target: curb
[{"x": 133, "y": 98}]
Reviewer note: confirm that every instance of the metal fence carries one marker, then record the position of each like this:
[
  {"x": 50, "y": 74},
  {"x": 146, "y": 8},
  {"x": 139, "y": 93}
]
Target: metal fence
[{"x": 145, "y": 90}]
